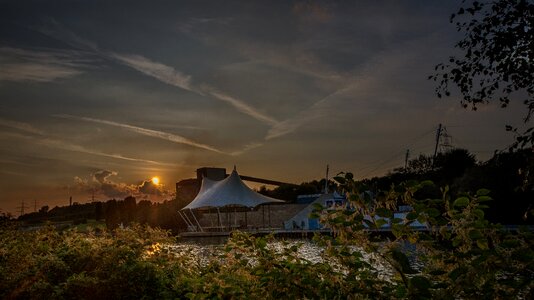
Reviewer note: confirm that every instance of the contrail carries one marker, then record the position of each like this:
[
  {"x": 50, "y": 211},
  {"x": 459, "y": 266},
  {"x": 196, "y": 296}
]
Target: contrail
[
  {"x": 173, "y": 77},
  {"x": 161, "y": 72},
  {"x": 20, "y": 126},
  {"x": 148, "y": 132},
  {"x": 311, "y": 113},
  {"x": 58, "y": 144},
  {"x": 242, "y": 107}
]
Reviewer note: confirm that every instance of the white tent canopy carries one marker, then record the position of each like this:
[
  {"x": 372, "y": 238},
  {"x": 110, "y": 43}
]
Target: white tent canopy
[{"x": 228, "y": 192}]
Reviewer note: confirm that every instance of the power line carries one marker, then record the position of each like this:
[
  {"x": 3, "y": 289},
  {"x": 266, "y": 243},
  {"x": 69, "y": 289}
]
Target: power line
[
  {"x": 22, "y": 207},
  {"x": 396, "y": 155}
]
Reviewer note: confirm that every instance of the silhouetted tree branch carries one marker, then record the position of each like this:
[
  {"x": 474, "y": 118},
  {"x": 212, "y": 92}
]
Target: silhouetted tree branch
[{"x": 497, "y": 60}]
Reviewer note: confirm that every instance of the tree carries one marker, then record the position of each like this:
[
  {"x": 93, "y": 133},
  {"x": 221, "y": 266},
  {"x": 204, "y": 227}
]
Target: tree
[
  {"x": 44, "y": 209},
  {"x": 497, "y": 60},
  {"x": 454, "y": 163}
]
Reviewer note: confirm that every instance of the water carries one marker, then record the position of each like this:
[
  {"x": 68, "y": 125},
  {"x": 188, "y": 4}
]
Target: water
[{"x": 202, "y": 251}]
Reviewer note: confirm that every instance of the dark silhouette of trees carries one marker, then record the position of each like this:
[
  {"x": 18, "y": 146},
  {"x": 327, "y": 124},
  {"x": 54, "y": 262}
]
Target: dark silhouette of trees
[
  {"x": 497, "y": 57},
  {"x": 454, "y": 163},
  {"x": 44, "y": 209},
  {"x": 112, "y": 214}
]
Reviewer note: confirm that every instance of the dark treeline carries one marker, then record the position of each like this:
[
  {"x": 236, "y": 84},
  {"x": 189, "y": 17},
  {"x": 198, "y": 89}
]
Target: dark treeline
[
  {"x": 113, "y": 212},
  {"x": 289, "y": 193},
  {"x": 509, "y": 176}
]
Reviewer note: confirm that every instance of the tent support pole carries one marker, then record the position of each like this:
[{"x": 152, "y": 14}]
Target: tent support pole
[
  {"x": 219, "y": 219},
  {"x": 235, "y": 217},
  {"x": 211, "y": 219},
  {"x": 190, "y": 222},
  {"x": 263, "y": 216},
  {"x": 186, "y": 223},
  {"x": 200, "y": 227},
  {"x": 228, "y": 220},
  {"x": 246, "y": 221},
  {"x": 269, "y": 216},
  {"x": 186, "y": 219}
]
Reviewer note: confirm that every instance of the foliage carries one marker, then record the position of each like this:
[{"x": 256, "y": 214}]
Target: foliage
[
  {"x": 497, "y": 54},
  {"x": 459, "y": 255},
  {"x": 509, "y": 174},
  {"x": 48, "y": 264},
  {"x": 462, "y": 255}
]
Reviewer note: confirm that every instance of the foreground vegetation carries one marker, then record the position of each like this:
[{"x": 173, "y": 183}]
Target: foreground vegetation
[{"x": 462, "y": 256}]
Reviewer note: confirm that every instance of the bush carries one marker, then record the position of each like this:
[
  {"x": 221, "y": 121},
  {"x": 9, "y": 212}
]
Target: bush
[{"x": 461, "y": 255}]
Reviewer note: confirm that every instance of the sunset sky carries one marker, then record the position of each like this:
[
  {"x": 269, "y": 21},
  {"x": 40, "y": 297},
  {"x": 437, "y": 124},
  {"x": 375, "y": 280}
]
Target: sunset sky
[{"x": 101, "y": 96}]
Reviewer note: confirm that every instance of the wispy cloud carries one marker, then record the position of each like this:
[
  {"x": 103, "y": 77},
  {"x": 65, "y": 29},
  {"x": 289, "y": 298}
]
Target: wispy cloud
[
  {"x": 157, "y": 70},
  {"x": 242, "y": 106},
  {"x": 62, "y": 145},
  {"x": 20, "y": 126},
  {"x": 317, "y": 110},
  {"x": 171, "y": 76},
  {"x": 154, "y": 69},
  {"x": 144, "y": 131},
  {"x": 77, "y": 148},
  {"x": 43, "y": 65},
  {"x": 247, "y": 147}
]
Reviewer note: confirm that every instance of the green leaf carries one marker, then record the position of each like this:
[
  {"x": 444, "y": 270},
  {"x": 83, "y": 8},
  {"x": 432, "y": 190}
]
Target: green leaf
[
  {"x": 461, "y": 202},
  {"x": 421, "y": 219},
  {"x": 403, "y": 261},
  {"x": 317, "y": 206},
  {"x": 482, "y": 244},
  {"x": 340, "y": 179},
  {"x": 411, "y": 216},
  {"x": 479, "y": 213},
  {"x": 427, "y": 183},
  {"x": 261, "y": 243},
  {"x": 314, "y": 216},
  {"x": 433, "y": 212},
  {"x": 484, "y": 198},
  {"x": 396, "y": 220},
  {"x": 483, "y": 192},
  {"x": 380, "y": 223},
  {"x": 384, "y": 212},
  {"x": 475, "y": 234},
  {"x": 369, "y": 223}
]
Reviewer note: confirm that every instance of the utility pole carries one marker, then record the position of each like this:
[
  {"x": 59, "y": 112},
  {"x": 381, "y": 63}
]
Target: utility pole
[
  {"x": 326, "y": 181},
  {"x": 445, "y": 141},
  {"x": 22, "y": 207},
  {"x": 438, "y": 136},
  {"x": 406, "y": 160}
]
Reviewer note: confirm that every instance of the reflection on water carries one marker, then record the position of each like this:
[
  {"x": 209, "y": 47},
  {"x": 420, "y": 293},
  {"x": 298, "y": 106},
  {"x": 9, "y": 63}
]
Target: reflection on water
[{"x": 202, "y": 250}]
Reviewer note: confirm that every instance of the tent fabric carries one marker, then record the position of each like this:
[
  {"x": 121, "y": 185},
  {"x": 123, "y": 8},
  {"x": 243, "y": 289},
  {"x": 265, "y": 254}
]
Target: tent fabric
[{"x": 230, "y": 191}]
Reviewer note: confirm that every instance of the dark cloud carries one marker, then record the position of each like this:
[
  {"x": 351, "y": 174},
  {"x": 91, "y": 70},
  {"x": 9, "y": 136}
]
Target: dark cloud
[
  {"x": 148, "y": 187},
  {"x": 102, "y": 175}
]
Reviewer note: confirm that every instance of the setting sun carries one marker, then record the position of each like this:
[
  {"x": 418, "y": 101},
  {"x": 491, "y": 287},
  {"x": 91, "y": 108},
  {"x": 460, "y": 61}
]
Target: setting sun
[{"x": 155, "y": 180}]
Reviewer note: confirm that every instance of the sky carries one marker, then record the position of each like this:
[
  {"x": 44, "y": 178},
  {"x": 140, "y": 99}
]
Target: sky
[{"x": 98, "y": 97}]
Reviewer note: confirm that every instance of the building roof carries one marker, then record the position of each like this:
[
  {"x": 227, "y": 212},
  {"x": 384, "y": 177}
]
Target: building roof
[{"x": 229, "y": 192}]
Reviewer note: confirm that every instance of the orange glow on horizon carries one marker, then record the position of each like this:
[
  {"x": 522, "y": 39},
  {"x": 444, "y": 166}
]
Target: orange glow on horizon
[{"x": 155, "y": 180}]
